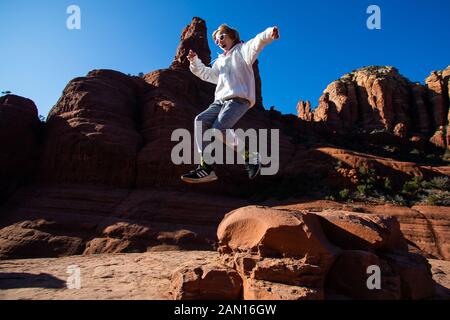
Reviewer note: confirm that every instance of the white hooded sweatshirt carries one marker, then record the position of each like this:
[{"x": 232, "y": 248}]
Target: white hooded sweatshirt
[{"x": 233, "y": 72}]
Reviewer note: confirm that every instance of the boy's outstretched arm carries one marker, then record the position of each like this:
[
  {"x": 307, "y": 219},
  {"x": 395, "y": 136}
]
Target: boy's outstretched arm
[
  {"x": 200, "y": 70},
  {"x": 253, "y": 47}
]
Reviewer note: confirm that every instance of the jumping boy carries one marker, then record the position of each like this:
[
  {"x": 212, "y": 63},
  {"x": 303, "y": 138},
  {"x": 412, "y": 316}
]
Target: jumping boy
[{"x": 232, "y": 72}]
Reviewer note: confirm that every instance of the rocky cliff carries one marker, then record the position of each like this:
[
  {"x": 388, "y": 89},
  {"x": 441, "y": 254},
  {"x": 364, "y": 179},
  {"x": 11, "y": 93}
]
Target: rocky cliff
[{"x": 380, "y": 98}]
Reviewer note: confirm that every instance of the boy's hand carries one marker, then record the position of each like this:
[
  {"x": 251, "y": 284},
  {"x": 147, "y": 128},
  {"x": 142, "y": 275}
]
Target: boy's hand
[
  {"x": 275, "y": 34},
  {"x": 191, "y": 55}
]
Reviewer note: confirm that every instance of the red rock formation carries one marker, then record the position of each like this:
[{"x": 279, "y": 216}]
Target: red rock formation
[
  {"x": 91, "y": 133},
  {"x": 354, "y": 283},
  {"x": 60, "y": 220},
  {"x": 194, "y": 37},
  {"x": 437, "y": 84},
  {"x": 258, "y": 87},
  {"x": 420, "y": 109},
  {"x": 304, "y": 111},
  {"x": 438, "y": 94},
  {"x": 20, "y": 131},
  {"x": 206, "y": 282},
  {"x": 283, "y": 254},
  {"x": 379, "y": 98},
  {"x": 351, "y": 230},
  {"x": 415, "y": 274},
  {"x": 424, "y": 227},
  {"x": 272, "y": 248}
]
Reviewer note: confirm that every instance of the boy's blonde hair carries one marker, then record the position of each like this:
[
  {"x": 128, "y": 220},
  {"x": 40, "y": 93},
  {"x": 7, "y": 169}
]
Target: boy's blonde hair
[{"x": 232, "y": 33}]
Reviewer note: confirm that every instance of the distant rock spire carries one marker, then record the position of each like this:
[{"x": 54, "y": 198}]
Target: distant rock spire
[
  {"x": 304, "y": 110},
  {"x": 194, "y": 37}
]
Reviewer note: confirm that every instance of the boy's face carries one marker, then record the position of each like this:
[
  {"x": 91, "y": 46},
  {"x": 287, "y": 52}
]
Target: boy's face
[{"x": 223, "y": 40}]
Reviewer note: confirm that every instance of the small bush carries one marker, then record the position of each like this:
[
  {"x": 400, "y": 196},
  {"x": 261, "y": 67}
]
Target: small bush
[
  {"x": 441, "y": 183},
  {"x": 344, "y": 193},
  {"x": 411, "y": 188},
  {"x": 362, "y": 189},
  {"x": 387, "y": 184},
  {"x": 398, "y": 200},
  {"x": 438, "y": 199},
  {"x": 367, "y": 178}
]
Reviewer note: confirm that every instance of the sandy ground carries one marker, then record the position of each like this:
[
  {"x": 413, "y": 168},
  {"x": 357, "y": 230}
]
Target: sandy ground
[
  {"x": 106, "y": 276},
  {"x": 118, "y": 276}
]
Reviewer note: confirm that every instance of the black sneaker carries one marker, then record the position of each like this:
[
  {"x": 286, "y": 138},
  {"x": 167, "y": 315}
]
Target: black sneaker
[
  {"x": 201, "y": 174},
  {"x": 253, "y": 165}
]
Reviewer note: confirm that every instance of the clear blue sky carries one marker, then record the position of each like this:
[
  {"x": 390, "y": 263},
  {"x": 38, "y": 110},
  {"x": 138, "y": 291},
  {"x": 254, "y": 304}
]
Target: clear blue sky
[{"x": 320, "y": 41}]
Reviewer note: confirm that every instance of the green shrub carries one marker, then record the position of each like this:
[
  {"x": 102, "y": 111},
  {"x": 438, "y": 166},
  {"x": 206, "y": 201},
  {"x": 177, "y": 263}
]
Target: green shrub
[
  {"x": 411, "y": 188},
  {"x": 362, "y": 189},
  {"x": 398, "y": 200},
  {"x": 367, "y": 180},
  {"x": 344, "y": 193},
  {"x": 441, "y": 183},
  {"x": 387, "y": 184},
  {"x": 438, "y": 199}
]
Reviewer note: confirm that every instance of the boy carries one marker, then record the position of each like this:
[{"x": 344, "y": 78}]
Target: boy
[{"x": 232, "y": 72}]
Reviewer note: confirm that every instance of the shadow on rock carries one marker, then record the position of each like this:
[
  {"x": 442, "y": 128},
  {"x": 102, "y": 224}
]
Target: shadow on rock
[{"x": 12, "y": 280}]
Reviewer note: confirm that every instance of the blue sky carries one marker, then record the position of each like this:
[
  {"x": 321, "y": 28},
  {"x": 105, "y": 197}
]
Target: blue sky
[{"x": 320, "y": 41}]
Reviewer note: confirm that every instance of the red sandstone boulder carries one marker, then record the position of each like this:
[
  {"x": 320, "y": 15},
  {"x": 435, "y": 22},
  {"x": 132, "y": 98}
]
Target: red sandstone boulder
[
  {"x": 441, "y": 274},
  {"x": 274, "y": 250},
  {"x": 266, "y": 290},
  {"x": 25, "y": 241},
  {"x": 415, "y": 273},
  {"x": 352, "y": 230},
  {"x": 349, "y": 276},
  {"x": 107, "y": 245},
  {"x": 205, "y": 282},
  {"x": 284, "y": 254},
  {"x": 270, "y": 232}
]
